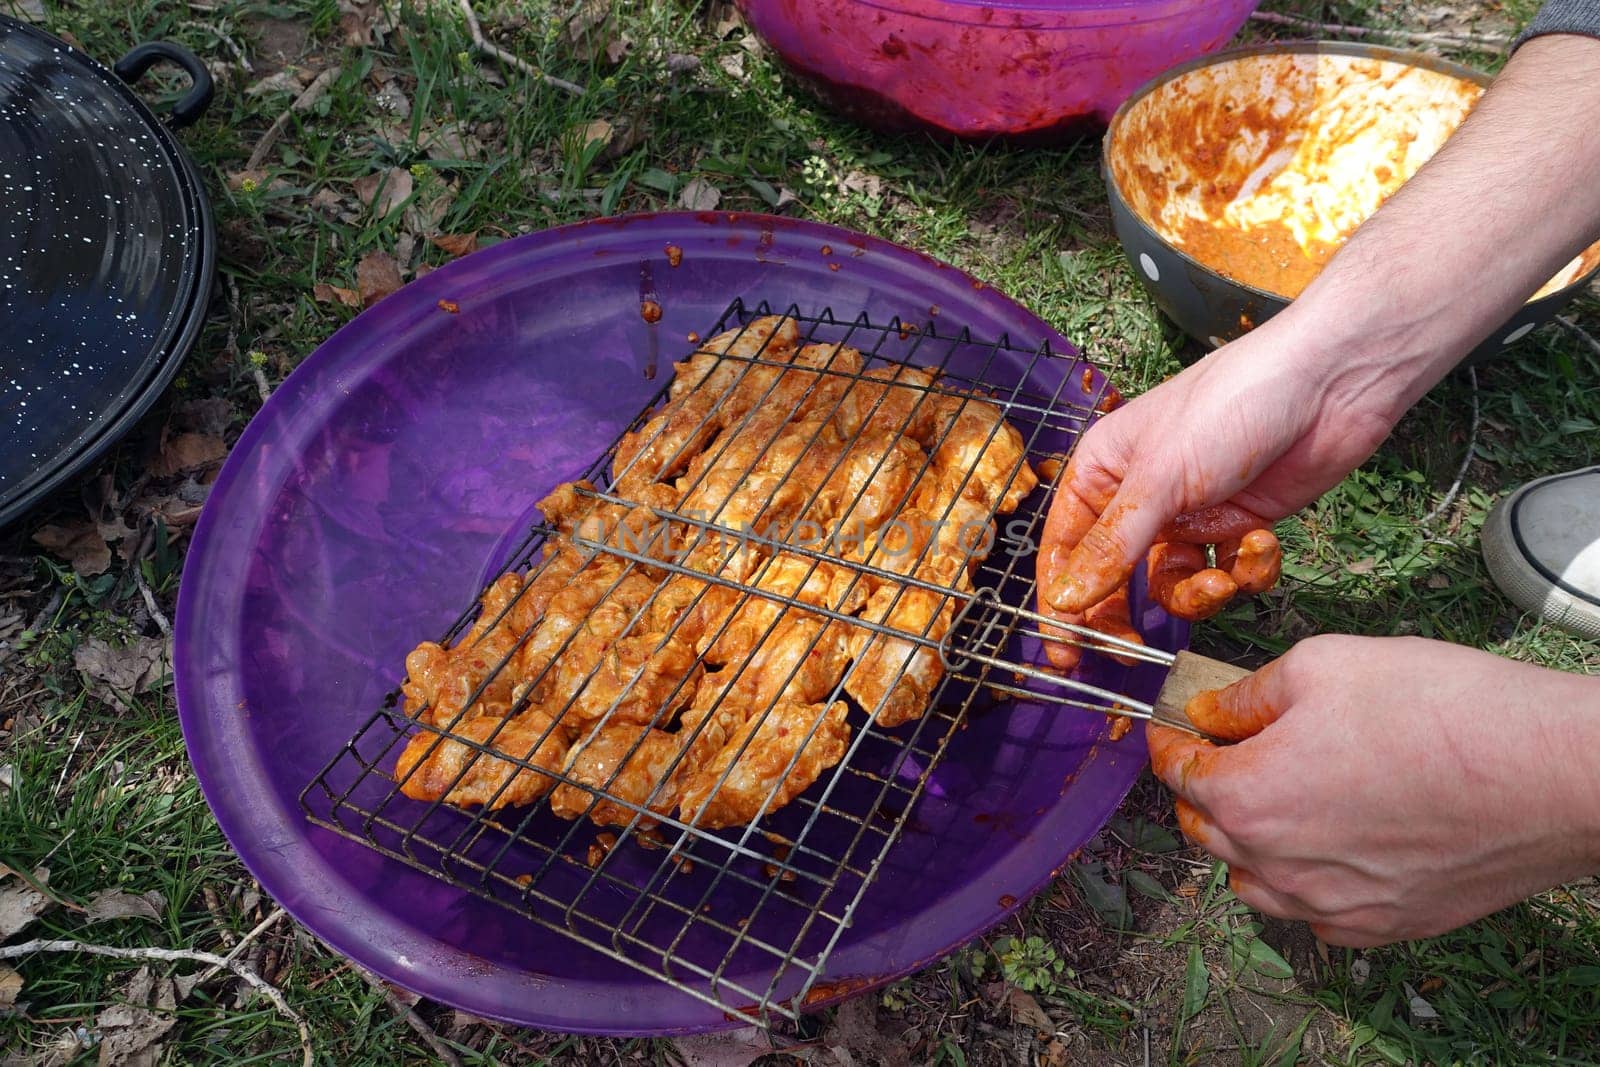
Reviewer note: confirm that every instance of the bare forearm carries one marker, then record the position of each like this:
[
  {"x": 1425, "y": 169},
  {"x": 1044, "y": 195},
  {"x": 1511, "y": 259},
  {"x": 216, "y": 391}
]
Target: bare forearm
[{"x": 1509, "y": 200}]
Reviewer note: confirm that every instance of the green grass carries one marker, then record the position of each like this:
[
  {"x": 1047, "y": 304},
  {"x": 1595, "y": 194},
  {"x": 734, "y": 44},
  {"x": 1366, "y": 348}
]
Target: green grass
[{"x": 1152, "y": 950}]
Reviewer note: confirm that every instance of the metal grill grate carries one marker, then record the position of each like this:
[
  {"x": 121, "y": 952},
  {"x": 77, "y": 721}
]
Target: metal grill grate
[{"x": 745, "y": 917}]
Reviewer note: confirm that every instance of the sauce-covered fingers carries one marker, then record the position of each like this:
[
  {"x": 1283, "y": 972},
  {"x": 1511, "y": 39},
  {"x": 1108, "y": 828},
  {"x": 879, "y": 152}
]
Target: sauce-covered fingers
[
  {"x": 1096, "y": 567},
  {"x": 1256, "y": 563},
  {"x": 1192, "y": 823},
  {"x": 1180, "y": 581},
  {"x": 1112, "y": 617},
  {"x": 1242, "y": 709},
  {"x": 1202, "y": 595},
  {"x": 1170, "y": 563},
  {"x": 1208, "y": 526},
  {"x": 1227, "y": 555},
  {"x": 1181, "y": 760},
  {"x": 1064, "y": 654}
]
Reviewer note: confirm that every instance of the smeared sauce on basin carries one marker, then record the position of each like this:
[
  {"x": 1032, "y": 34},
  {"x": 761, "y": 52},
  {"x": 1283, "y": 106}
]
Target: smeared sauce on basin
[{"x": 1261, "y": 167}]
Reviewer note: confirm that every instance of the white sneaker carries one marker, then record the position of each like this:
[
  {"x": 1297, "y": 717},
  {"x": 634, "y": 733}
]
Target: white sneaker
[{"x": 1542, "y": 545}]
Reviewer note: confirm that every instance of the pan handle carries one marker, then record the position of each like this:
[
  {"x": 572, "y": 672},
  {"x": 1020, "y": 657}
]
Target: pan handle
[{"x": 131, "y": 67}]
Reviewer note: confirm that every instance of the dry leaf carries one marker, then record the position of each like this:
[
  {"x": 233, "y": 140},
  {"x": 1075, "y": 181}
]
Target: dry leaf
[
  {"x": 116, "y": 904},
  {"x": 377, "y": 275},
  {"x": 452, "y": 141},
  {"x": 209, "y": 415},
  {"x": 27, "y": 10},
  {"x": 285, "y": 81},
  {"x": 618, "y": 49},
  {"x": 725, "y": 19},
  {"x": 682, "y": 62},
  {"x": 10, "y": 986},
  {"x": 700, "y": 195},
  {"x": 130, "y": 1032},
  {"x": 332, "y": 294},
  {"x": 628, "y": 136},
  {"x": 1364, "y": 565},
  {"x": 424, "y": 216},
  {"x": 8, "y": 776},
  {"x": 734, "y": 1048},
  {"x": 1054, "y": 1055},
  {"x": 357, "y": 30},
  {"x": 326, "y": 200},
  {"x": 385, "y": 190},
  {"x": 79, "y": 543},
  {"x": 733, "y": 65},
  {"x": 20, "y": 903},
  {"x": 392, "y": 99},
  {"x": 117, "y": 673},
  {"x": 856, "y": 1027},
  {"x": 598, "y": 130},
  {"x": 456, "y": 244},
  {"x": 858, "y": 182},
  {"x": 187, "y": 452},
  {"x": 585, "y": 27},
  {"x": 424, "y": 269},
  {"x": 1025, "y": 1011}
]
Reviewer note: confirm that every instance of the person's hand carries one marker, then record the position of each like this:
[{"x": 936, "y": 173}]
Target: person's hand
[
  {"x": 1249, "y": 434},
  {"x": 1391, "y": 788}
]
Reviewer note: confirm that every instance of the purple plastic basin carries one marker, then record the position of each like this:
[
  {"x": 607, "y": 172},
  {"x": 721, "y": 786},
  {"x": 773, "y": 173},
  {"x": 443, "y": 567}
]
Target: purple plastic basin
[
  {"x": 357, "y": 515},
  {"x": 1033, "y": 69}
]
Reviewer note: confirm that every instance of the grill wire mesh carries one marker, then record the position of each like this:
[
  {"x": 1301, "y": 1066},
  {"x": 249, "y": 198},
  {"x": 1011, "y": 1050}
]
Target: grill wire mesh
[{"x": 745, "y": 917}]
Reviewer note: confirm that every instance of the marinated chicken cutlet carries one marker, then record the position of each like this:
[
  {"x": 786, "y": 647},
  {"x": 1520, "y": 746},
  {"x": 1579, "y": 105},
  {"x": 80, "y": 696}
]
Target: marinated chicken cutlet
[
  {"x": 440, "y": 682},
  {"x": 435, "y": 767},
  {"x": 709, "y": 591},
  {"x": 794, "y": 577},
  {"x": 765, "y": 763},
  {"x": 894, "y": 678},
  {"x": 980, "y": 455},
  {"x": 592, "y": 659},
  {"x": 898, "y": 400},
  {"x": 706, "y": 394},
  {"x": 621, "y": 763}
]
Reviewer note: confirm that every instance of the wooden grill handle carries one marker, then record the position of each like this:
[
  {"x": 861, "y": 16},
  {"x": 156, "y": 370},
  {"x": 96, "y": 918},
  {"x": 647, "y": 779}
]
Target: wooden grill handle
[{"x": 1192, "y": 674}]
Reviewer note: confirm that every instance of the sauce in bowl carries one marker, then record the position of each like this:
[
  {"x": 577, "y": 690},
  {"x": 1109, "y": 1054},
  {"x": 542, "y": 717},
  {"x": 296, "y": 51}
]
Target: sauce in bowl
[{"x": 1261, "y": 166}]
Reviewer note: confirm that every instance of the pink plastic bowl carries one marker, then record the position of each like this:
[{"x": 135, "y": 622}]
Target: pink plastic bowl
[{"x": 1036, "y": 69}]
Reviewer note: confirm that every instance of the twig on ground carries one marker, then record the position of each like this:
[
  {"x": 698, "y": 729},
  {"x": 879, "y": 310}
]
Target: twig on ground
[
  {"x": 262, "y": 387},
  {"x": 260, "y": 928},
  {"x": 233, "y": 46},
  {"x": 1468, "y": 40},
  {"x": 263, "y": 390},
  {"x": 66, "y": 764},
  {"x": 175, "y": 955},
  {"x": 1466, "y": 460},
  {"x": 409, "y": 1014},
  {"x": 304, "y": 102},
  {"x": 1580, "y": 333},
  {"x": 489, "y": 48},
  {"x": 150, "y": 600},
  {"x": 214, "y": 906}
]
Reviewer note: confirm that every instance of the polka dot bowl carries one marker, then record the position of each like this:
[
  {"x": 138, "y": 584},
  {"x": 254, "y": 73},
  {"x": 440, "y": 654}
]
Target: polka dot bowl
[{"x": 1233, "y": 178}]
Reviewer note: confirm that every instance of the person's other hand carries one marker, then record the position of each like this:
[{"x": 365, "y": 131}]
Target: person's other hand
[
  {"x": 1246, "y": 436},
  {"x": 1391, "y": 788}
]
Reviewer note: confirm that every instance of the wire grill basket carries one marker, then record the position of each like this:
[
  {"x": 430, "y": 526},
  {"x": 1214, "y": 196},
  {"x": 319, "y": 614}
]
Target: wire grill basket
[{"x": 745, "y": 917}]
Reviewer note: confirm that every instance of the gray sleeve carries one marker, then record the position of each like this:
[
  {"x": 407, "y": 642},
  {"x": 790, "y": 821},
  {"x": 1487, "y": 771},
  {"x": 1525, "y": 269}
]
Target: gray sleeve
[{"x": 1564, "y": 16}]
